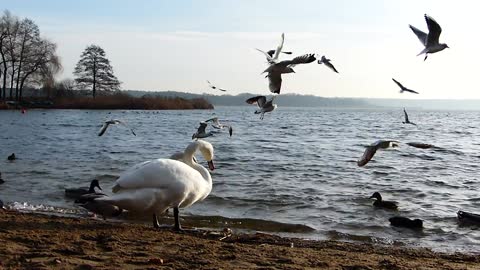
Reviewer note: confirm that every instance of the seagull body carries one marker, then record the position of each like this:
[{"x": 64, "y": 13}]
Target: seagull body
[
  {"x": 403, "y": 88},
  {"x": 430, "y": 40},
  {"x": 201, "y": 132},
  {"x": 113, "y": 122},
  {"x": 216, "y": 124},
  {"x": 327, "y": 63},
  {"x": 214, "y": 87},
  {"x": 275, "y": 70},
  {"x": 372, "y": 149},
  {"x": 406, "y": 118},
  {"x": 264, "y": 105}
]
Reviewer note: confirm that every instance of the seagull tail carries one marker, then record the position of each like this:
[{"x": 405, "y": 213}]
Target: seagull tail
[{"x": 422, "y": 52}]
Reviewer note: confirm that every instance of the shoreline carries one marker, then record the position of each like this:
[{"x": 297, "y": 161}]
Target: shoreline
[{"x": 41, "y": 241}]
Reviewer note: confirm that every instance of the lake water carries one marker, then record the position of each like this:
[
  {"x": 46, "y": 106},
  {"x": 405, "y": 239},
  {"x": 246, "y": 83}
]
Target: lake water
[{"x": 297, "y": 166}]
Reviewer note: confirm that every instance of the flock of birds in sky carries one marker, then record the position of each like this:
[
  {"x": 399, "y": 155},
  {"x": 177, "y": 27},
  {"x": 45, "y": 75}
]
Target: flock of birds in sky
[{"x": 179, "y": 181}]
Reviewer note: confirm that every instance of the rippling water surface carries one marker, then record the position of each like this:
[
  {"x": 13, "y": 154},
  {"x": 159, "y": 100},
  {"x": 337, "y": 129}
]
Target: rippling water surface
[{"x": 297, "y": 166}]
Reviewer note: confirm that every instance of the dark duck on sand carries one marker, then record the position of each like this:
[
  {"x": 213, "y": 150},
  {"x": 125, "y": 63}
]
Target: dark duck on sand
[
  {"x": 383, "y": 204},
  {"x": 406, "y": 222},
  {"x": 102, "y": 208},
  {"x": 76, "y": 193}
]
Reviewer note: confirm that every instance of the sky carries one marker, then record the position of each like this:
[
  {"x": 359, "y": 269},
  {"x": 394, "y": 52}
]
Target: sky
[{"x": 178, "y": 45}]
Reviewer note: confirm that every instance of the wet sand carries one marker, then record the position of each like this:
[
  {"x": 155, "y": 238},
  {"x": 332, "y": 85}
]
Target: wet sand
[{"x": 35, "y": 241}]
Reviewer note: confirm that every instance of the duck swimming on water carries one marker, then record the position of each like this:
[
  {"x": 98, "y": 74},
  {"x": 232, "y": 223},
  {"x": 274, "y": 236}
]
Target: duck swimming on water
[
  {"x": 406, "y": 222},
  {"x": 76, "y": 193},
  {"x": 383, "y": 204},
  {"x": 12, "y": 157}
]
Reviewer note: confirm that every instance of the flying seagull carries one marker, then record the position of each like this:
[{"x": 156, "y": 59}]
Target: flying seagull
[
  {"x": 327, "y": 63},
  {"x": 272, "y": 55},
  {"x": 201, "y": 132},
  {"x": 372, "y": 149},
  {"x": 114, "y": 122},
  {"x": 216, "y": 124},
  {"x": 430, "y": 40},
  {"x": 406, "y": 118},
  {"x": 275, "y": 70},
  {"x": 263, "y": 105},
  {"x": 403, "y": 88},
  {"x": 214, "y": 87}
]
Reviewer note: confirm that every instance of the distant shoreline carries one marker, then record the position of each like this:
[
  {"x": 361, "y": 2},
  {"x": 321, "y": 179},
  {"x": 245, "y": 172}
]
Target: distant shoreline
[{"x": 113, "y": 102}]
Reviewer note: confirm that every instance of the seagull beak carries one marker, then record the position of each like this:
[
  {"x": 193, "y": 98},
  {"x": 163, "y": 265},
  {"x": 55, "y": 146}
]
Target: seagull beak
[{"x": 210, "y": 165}]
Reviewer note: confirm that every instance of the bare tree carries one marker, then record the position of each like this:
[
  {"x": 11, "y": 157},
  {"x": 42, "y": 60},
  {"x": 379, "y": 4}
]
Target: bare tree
[{"x": 94, "y": 70}]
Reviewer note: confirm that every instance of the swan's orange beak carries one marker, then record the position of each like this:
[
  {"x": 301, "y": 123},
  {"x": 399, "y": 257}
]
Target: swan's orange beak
[{"x": 210, "y": 165}]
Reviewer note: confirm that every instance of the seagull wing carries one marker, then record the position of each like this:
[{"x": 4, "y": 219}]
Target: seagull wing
[
  {"x": 434, "y": 30},
  {"x": 201, "y": 128},
  {"x": 279, "y": 48},
  {"x": 411, "y": 91},
  {"x": 399, "y": 84},
  {"x": 367, "y": 156},
  {"x": 422, "y": 36},
  {"x": 221, "y": 89},
  {"x": 210, "y": 84},
  {"x": 267, "y": 54},
  {"x": 406, "y": 115},
  {"x": 275, "y": 82},
  {"x": 330, "y": 65},
  {"x": 302, "y": 59},
  {"x": 125, "y": 125},
  {"x": 260, "y": 100},
  {"x": 103, "y": 129},
  {"x": 214, "y": 120}
]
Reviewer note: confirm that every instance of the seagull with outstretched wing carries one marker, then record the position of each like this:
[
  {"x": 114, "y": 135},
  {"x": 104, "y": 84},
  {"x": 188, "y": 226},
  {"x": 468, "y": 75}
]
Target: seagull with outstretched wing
[
  {"x": 201, "y": 132},
  {"x": 372, "y": 149},
  {"x": 431, "y": 40},
  {"x": 327, "y": 63},
  {"x": 114, "y": 122},
  {"x": 216, "y": 124},
  {"x": 214, "y": 87},
  {"x": 403, "y": 88},
  {"x": 407, "y": 121},
  {"x": 264, "y": 106}
]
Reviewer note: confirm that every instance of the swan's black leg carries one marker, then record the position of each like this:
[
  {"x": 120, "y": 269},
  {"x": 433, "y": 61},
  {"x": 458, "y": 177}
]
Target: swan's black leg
[
  {"x": 177, "y": 221},
  {"x": 155, "y": 222}
]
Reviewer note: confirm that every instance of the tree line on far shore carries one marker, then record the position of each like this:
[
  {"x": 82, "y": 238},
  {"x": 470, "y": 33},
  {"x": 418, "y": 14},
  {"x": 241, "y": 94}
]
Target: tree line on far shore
[{"x": 29, "y": 61}]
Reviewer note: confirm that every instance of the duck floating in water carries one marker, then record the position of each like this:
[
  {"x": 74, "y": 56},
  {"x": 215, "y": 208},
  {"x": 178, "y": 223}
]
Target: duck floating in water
[
  {"x": 76, "y": 193},
  {"x": 383, "y": 204},
  {"x": 468, "y": 217},
  {"x": 12, "y": 157},
  {"x": 406, "y": 222},
  {"x": 104, "y": 209},
  {"x": 1, "y": 180}
]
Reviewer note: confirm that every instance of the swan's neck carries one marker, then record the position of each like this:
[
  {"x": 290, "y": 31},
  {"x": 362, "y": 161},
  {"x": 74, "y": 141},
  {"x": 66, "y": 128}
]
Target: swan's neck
[{"x": 188, "y": 155}]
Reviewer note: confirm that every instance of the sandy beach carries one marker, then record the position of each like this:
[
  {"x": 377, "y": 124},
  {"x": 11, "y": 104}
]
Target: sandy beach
[{"x": 37, "y": 241}]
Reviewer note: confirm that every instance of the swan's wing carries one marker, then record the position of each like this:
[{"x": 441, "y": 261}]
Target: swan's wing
[
  {"x": 422, "y": 36},
  {"x": 103, "y": 129},
  {"x": 279, "y": 48},
  {"x": 274, "y": 82},
  {"x": 267, "y": 54},
  {"x": 399, "y": 84},
  {"x": 434, "y": 30},
  {"x": 367, "y": 156},
  {"x": 160, "y": 173},
  {"x": 406, "y": 115},
  {"x": 260, "y": 100},
  {"x": 302, "y": 59}
]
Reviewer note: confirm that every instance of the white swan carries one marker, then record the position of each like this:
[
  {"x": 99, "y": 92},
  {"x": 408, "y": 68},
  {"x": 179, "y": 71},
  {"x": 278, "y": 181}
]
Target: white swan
[{"x": 156, "y": 185}]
